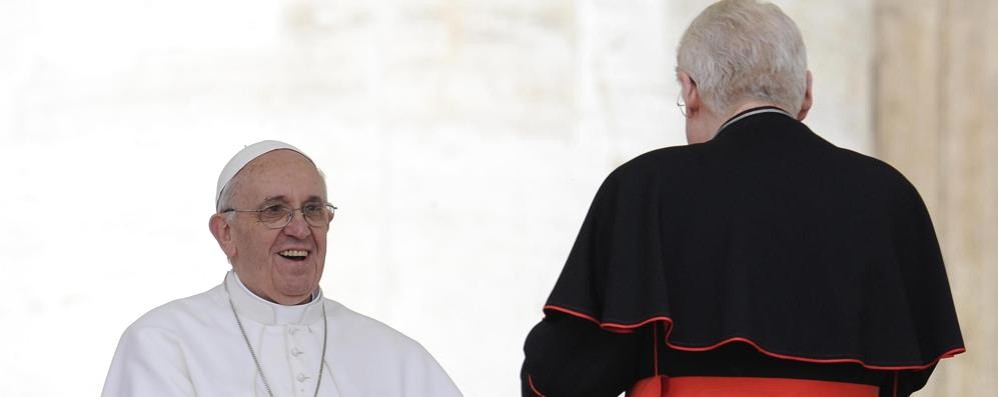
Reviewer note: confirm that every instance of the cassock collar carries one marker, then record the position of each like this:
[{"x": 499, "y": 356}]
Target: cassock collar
[
  {"x": 270, "y": 313},
  {"x": 748, "y": 113}
]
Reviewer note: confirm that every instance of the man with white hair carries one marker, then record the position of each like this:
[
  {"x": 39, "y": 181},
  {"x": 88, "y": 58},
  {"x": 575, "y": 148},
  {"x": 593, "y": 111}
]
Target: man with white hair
[
  {"x": 759, "y": 260},
  {"x": 267, "y": 330}
]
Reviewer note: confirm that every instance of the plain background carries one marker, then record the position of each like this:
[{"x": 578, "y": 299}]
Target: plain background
[{"x": 462, "y": 141}]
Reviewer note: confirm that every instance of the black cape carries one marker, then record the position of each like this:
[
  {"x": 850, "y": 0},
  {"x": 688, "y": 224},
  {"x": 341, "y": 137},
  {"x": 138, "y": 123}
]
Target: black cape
[{"x": 768, "y": 236}]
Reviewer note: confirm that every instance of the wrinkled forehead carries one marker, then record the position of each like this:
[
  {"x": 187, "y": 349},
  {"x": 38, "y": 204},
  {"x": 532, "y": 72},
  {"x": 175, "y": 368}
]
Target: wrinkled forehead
[
  {"x": 279, "y": 175},
  {"x": 281, "y": 171}
]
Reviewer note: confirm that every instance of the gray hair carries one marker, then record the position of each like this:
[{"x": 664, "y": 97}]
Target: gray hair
[{"x": 739, "y": 50}]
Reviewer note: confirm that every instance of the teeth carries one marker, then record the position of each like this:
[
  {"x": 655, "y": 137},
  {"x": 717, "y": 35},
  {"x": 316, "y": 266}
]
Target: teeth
[{"x": 301, "y": 253}]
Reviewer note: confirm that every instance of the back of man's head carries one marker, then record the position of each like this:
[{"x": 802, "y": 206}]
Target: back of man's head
[{"x": 742, "y": 50}]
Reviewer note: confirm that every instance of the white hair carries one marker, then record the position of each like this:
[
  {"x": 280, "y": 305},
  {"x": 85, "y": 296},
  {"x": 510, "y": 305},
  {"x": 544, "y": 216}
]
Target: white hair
[{"x": 739, "y": 50}]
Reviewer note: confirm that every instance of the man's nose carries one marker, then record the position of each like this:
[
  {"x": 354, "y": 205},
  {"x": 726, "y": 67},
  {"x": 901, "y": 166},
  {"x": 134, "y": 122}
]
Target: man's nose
[{"x": 298, "y": 227}]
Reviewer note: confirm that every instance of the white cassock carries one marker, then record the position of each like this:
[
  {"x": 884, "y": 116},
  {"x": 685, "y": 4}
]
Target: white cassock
[{"x": 193, "y": 346}]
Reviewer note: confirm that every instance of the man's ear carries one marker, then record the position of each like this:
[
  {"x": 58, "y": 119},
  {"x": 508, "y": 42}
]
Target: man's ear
[
  {"x": 691, "y": 94},
  {"x": 808, "y": 100},
  {"x": 220, "y": 228}
]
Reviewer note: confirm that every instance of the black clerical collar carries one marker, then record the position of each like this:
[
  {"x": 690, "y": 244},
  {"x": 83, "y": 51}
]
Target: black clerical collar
[{"x": 751, "y": 112}]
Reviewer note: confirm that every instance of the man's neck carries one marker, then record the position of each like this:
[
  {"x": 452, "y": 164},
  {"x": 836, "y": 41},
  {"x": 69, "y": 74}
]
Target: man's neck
[
  {"x": 716, "y": 122},
  {"x": 288, "y": 301}
]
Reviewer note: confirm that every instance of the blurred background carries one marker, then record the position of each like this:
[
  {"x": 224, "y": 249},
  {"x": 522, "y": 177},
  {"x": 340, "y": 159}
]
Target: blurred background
[{"x": 462, "y": 140}]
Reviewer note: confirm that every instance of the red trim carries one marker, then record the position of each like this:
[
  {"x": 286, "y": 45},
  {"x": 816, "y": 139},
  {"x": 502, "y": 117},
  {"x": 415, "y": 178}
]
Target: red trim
[
  {"x": 627, "y": 328},
  {"x": 689, "y": 386},
  {"x": 530, "y": 381}
]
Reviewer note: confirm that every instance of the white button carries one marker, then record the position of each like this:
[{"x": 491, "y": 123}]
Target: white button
[
  {"x": 302, "y": 377},
  {"x": 295, "y": 352},
  {"x": 293, "y": 330}
]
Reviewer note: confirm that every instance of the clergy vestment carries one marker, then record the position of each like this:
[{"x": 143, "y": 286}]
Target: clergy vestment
[
  {"x": 193, "y": 346},
  {"x": 766, "y": 252}
]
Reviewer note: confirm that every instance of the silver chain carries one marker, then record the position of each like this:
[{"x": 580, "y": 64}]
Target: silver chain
[{"x": 259, "y": 368}]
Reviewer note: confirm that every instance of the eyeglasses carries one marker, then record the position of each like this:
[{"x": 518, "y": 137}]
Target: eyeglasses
[
  {"x": 278, "y": 216},
  {"x": 680, "y": 104}
]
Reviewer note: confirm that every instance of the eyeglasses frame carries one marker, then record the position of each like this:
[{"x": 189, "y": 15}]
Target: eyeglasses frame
[{"x": 291, "y": 215}]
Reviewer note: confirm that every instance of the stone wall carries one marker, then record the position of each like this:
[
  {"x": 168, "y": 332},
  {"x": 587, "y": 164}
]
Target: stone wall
[{"x": 936, "y": 89}]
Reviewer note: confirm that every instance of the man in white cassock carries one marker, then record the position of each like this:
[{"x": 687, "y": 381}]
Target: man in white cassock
[{"x": 267, "y": 330}]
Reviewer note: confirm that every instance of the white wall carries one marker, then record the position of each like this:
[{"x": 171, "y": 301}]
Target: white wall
[{"x": 462, "y": 142}]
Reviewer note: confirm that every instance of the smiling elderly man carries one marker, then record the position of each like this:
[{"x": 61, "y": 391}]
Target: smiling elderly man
[{"x": 267, "y": 330}]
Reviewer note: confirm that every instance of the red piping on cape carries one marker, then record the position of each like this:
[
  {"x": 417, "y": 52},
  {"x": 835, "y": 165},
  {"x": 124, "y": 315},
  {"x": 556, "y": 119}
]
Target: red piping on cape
[{"x": 626, "y": 328}]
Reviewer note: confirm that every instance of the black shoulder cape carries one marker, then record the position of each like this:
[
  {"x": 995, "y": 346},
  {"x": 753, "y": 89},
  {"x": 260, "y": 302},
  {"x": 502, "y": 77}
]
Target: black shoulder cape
[{"x": 770, "y": 236}]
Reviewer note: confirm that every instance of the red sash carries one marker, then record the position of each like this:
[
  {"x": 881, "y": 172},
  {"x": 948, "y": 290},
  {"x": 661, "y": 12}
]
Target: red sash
[{"x": 720, "y": 386}]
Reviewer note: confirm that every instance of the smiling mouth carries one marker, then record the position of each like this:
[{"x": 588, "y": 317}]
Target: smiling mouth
[{"x": 295, "y": 255}]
